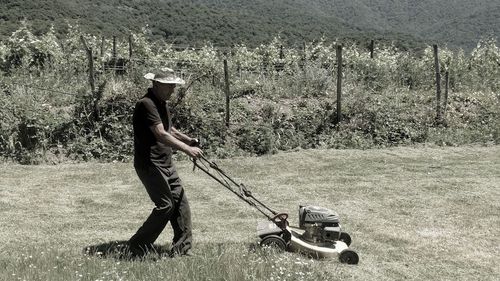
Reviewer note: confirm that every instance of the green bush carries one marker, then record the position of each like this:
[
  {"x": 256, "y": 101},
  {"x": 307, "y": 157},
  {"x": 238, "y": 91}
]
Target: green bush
[
  {"x": 48, "y": 113},
  {"x": 255, "y": 138}
]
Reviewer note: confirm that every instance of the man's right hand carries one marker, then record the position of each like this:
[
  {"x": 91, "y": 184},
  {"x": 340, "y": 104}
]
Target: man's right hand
[
  {"x": 167, "y": 138},
  {"x": 194, "y": 152},
  {"x": 195, "y": 142}
]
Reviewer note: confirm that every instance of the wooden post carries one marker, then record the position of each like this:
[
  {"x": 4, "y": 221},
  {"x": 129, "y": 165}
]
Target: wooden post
[
  {"x": 238, "y": 69},
  {"x": 304, "y": 56},
  {"x": 102, "y": 55},
  {"x": 130, "y": 46},
  {"x": 226, "y": 79},
  {"x": 91, "y": 77},
  {"x": 372, "y": 46},
  {"x": 446, "y": 87},
  {"x": 114, "y": 48},
  {"x": 339, "y": 83},
  {"x": 438, "y": 84},
  {"x": 91, "y": 63},
  {"x": 282, "y": 56},
  {"x": 102, "y": 46}
]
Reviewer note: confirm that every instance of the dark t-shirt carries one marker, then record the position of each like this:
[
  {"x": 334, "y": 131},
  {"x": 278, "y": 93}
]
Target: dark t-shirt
[{"x": 150, "y": 111}]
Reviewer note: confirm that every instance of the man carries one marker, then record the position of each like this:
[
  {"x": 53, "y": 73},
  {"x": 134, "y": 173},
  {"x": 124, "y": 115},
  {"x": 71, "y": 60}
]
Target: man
[{"x": 154, "y": 139}]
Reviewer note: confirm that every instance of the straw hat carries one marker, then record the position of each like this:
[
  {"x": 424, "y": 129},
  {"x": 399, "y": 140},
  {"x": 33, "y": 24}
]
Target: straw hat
[{"x": 165, "y": 76}]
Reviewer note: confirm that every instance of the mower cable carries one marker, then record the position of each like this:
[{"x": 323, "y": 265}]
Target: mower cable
[
  {"x": 243, "y": 190},
  {"x": 244, "y": 194}
]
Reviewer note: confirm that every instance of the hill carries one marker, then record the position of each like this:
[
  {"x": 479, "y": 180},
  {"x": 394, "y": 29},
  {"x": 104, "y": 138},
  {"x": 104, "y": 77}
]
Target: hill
[
  {"x": 459, "y": 23},
  {"x": 453, "y": 22}
]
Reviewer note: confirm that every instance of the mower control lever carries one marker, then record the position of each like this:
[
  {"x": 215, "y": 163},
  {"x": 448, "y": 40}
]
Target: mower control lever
[
  {"x": 195, "y": 142},
  {"x": 280, "y": 220},
  {"x": 240, "y": 190},
  {"x": 280, "y": 217}
]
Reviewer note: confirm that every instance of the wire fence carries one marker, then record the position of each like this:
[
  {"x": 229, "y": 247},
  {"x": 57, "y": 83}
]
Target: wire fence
[
  {"x": 264, "y": 68},
  {"x": 56, "y": 91},
  {"x": 283, "y": 121}
]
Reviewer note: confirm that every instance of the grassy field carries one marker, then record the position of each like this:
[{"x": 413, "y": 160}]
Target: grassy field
[{"x": 413, "y": 213}]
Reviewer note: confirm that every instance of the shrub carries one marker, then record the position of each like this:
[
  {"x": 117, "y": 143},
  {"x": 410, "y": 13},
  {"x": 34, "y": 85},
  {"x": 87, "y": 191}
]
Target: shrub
[
  {"x": 256, "y": 138},
  {"x": 277, "y": 102}
]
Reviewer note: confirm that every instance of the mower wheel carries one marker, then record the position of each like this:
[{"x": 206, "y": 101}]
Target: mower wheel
[
  {"x": 349, "y": 257},
  {"x": 273, "y": 241},
  {"x": 346, "y": 238}
]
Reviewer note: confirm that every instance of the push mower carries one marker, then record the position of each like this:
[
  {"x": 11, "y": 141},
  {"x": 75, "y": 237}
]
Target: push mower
[{"x": 318, "y": 235}]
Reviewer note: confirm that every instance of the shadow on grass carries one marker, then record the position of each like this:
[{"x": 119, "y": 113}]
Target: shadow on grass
[{"x": 120, "y": 250}]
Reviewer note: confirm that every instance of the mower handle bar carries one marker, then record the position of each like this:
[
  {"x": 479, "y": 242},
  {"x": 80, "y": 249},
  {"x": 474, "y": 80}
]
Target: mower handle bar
[{"x": 244, "y": 194}]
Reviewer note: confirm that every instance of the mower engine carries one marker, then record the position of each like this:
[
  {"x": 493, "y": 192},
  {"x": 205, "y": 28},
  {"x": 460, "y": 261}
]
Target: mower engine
[
  {"x": 321, "y": 225},
  {"x": 319, "y": 234}
]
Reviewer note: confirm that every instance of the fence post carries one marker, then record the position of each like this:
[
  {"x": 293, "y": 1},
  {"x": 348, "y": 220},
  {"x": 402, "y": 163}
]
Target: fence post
[
  {"x": 102, "y": 46},
  {"x": 114, "y": 48},
  {"x": 130, "y": 46},
  {"x": 91, "y": 77},
  {"x": 303, "y": 58},
  {"x": 103, "y": 65},
  {"x": 438, "y": 84},
  {"x": 226, "y": 79},
  {"x": 372, "y": 46},
  {"x": 339, "y": 83},
  {"x": 91, "y": 63},
  {"x": 446, "y": 87}
]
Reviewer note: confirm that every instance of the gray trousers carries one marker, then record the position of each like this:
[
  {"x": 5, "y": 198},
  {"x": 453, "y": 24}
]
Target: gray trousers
[{"x": 165, "y": 190}]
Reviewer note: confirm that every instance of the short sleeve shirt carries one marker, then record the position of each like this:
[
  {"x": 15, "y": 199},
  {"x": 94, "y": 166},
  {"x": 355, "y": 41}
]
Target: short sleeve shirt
[{"x": 150, "y": 111}]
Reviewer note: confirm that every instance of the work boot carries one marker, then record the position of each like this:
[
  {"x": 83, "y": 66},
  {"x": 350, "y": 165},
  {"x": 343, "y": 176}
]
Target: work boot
[
  {"x": 173, "y": 253},
  {"x": 188, "y": 253},
  {"x": 136, "y": 252}
]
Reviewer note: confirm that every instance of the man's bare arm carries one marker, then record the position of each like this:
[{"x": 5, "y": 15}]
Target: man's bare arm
[
  {"x": 182, "y": 137},
  {"x": 172, "y": 141}
]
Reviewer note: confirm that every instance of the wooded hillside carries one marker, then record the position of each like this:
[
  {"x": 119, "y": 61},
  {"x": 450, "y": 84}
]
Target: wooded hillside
[{"x": 459, "y": 23}]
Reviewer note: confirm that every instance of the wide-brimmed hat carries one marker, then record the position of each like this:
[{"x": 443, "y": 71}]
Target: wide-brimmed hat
[{"x": 165, "y": 76}]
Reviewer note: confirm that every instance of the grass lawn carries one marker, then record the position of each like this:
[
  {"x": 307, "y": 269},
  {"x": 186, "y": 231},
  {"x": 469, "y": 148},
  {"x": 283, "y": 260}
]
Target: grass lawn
[{"x": 413, "y": 213}]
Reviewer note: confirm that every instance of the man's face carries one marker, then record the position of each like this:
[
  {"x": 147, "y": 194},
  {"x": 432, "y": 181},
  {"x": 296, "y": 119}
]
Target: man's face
[{"x": 164, "y": 91}]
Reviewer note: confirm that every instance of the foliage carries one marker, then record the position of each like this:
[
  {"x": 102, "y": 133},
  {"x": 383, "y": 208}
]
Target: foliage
[
  {"x": 459, "y": 23},
  {"x": 27, "y": 126},
  {"x": 281, "y": 98},
  {"x": 23, "y": 49}
]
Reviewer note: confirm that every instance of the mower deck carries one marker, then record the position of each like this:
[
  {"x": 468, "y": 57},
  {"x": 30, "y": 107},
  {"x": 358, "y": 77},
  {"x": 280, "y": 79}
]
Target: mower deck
[
  {"x": 272, "y": 235},
  {"x": 316, "y": 251}
]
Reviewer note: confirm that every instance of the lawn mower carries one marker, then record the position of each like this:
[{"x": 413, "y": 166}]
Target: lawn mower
[{"x": 318, "y": 235}]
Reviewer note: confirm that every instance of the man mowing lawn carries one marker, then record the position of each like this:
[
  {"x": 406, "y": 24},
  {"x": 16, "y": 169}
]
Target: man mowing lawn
[{"x": 154, "y": 138}]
